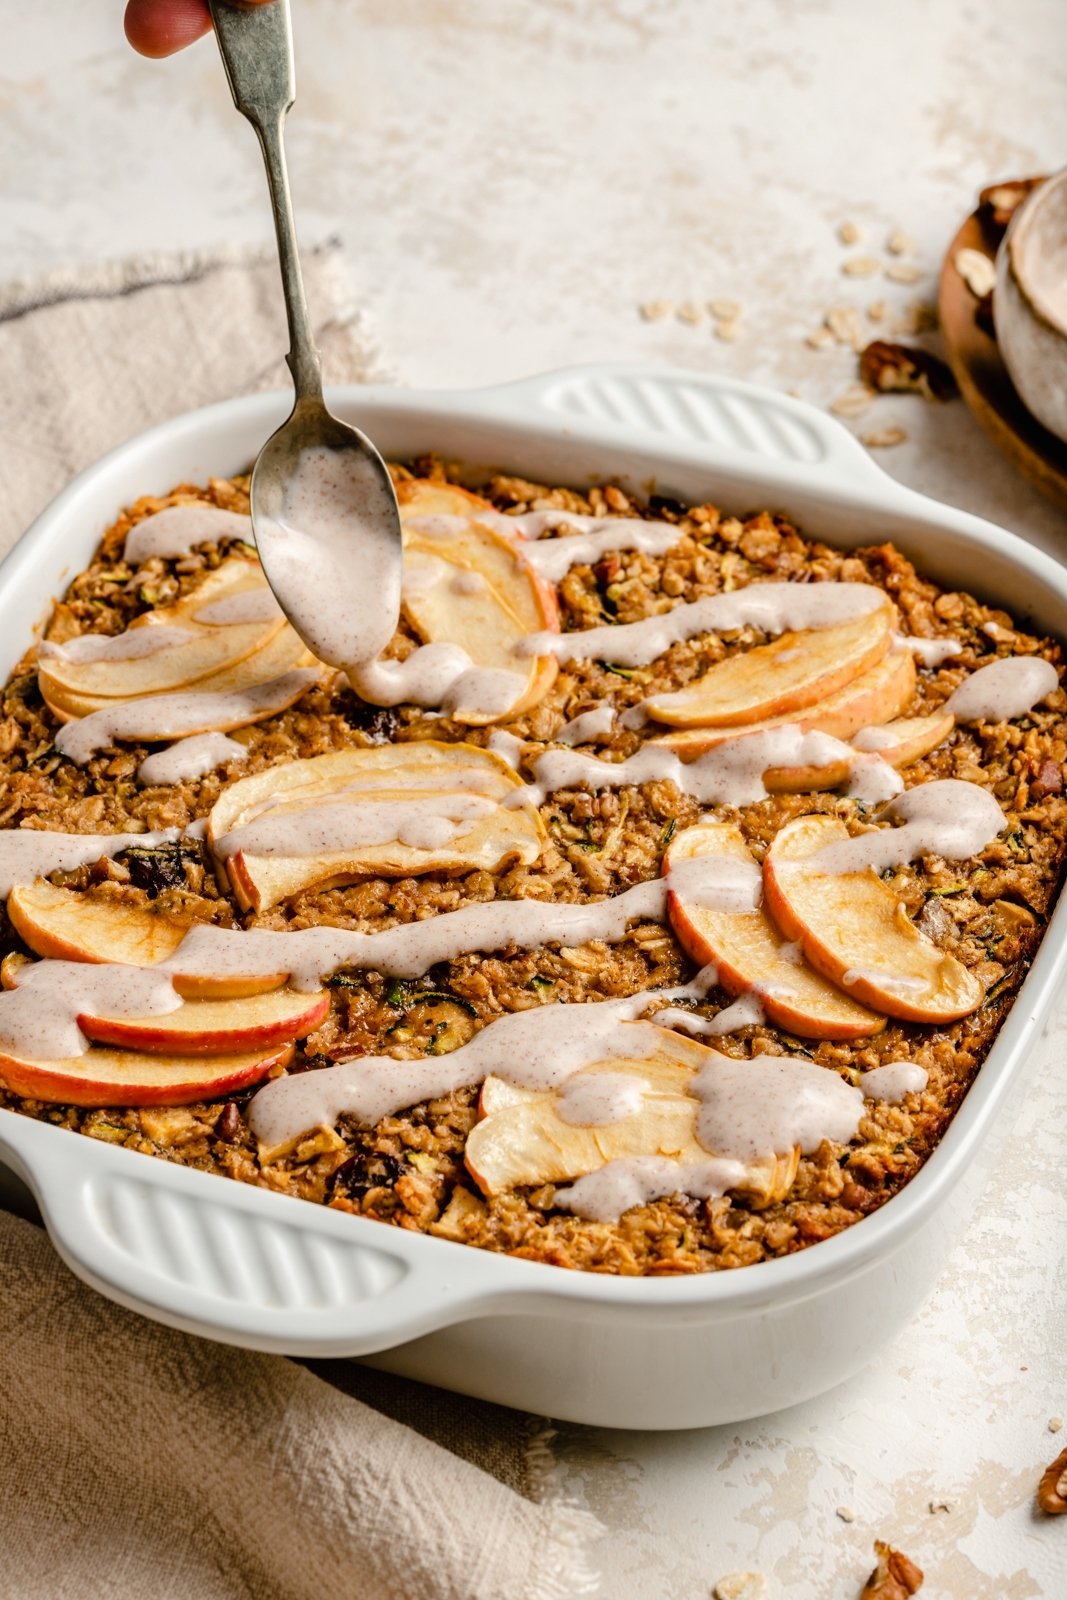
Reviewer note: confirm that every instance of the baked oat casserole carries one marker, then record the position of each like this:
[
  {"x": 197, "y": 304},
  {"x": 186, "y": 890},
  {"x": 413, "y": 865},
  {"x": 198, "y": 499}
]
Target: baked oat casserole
[{"x": 795, "y": 923}]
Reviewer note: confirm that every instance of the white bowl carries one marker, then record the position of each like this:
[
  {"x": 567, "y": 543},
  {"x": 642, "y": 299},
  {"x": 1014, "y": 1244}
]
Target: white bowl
[
  {"x": 263, "y": 1270},
  {"x": 1031, "y": 303}
]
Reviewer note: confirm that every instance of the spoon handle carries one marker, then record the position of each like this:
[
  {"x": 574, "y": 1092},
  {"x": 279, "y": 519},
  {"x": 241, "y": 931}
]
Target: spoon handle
[{"x": 257, "y": 52}]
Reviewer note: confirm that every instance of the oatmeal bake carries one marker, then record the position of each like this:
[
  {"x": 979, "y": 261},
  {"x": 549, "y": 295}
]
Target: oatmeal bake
[{"x": 784, "y": 822}]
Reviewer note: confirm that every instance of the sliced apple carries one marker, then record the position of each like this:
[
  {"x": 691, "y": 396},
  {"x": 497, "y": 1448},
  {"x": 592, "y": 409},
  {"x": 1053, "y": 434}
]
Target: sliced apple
[
  {"x": 856, "y": 931},
  {"x": 522, "y": 1141},
  {"x": 795, "y": 671},
  {"x": 201, "y": 1027},
  {"x": 283, "y": 652},
  {"x": 747, "y": 950},
  {"x": 104, "y": 1077},
  {"x": 872, "y": 698},
  {"x": 206, "y": 649},
  {"x": 382, "y": 774},
  {"x": 75, "y": 927},
  {"x": 472, "y": 587},
  {"x": 899, "y": 743}
]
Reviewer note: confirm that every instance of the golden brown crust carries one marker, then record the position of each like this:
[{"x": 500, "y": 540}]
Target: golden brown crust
[{"x": 989, "y": 912}]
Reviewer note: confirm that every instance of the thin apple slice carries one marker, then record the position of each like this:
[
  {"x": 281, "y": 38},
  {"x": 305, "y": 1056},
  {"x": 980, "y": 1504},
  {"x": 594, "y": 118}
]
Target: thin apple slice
[
  {"x": 899, "y": 743},
  {"x": 104, "y": 1077},
  {"x": 750, "y": 954},
  {"x": 206, "y": 649},
  {"x": 75, "y": 927},
  {"x": 384, "y": 775},
  {"x": 472, "y": 587},
  {"x": 283, "y": 652},
  {"x": 795, "y": 671},
  {"x": 856, "y": 931},
  {"x": 523, "y": 1142},
  {"x": 872, "y": 698}
]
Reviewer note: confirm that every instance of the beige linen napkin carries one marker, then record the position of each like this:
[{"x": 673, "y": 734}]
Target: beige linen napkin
[{"x": 135, "y": 1461}]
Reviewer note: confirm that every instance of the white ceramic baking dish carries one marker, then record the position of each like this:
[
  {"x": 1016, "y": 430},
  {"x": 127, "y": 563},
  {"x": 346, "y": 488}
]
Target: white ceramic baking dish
[{"x": 258, "y": 1269}]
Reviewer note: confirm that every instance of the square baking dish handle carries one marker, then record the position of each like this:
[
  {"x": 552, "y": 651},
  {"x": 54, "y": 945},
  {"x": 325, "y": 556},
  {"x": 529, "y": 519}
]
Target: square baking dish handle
[
  {"x": 735, "y": 422},
  {"x": 194, "y": 1250}
]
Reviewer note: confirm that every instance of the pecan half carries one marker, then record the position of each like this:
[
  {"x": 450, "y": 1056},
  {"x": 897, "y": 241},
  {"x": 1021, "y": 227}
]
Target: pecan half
[
  {"x": 894, "y": 1578},
  {"x": 1049, "y": 780},
  {"x": 905, "y": 369},
  {"x": 1052, "y": 1490},
  {"x": 1000, "y": 201}
]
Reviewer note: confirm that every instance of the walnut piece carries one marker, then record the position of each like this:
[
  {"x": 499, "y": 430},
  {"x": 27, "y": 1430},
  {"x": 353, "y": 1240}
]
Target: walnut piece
[
  {"x": 905, "y": 369},
  {"x": 894, "y": 1578},
  {"x": 1052, "y": 1490},
  {"x": 1000, "y": 201}
]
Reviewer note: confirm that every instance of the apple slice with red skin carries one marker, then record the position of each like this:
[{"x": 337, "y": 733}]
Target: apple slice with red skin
[
  {"x": 76, "y": 927},
  {"x": 899, "y": 743},
  {"x": 103, "y": 1077},
  {"x": 201, "y": 1027},
  {"x": 797, "y": 670},
  {"x": 746, "y": 949},
  {"x": 857, "y": 932},
  {"x": 871, "y": 699}
]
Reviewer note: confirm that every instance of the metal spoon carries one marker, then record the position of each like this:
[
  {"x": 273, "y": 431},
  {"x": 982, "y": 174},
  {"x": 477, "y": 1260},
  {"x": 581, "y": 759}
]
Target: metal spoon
[{"x": 324, "y": 511}]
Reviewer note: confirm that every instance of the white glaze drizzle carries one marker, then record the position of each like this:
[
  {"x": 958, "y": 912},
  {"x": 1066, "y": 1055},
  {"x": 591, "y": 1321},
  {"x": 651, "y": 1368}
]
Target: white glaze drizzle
[
  {"x": 772, "y": 607},
  {"x": 590, "y": 726},
  {"x": 552, "y": 559},
  {"x": 27, "y": 854},
  {"x": 135, "y": 643},
  {"x": 507, "y": 747},
  {"x": 891, "y": 982},
  {"x": 1004, "y": 689},
  {"x": 930, "y": 653},
  {"x": 190, "y": 758},
  {"x": 730, "y": 774},
  {"x": 176, "y": 530},
  {"x": 423, "y": 823},
  {"x": 766, "y": 1106},
  {"x": 893, "y": 1080},
  {"x": 718, "y": 883},
  {"x": 170, "y": 716},
  {"x": 604, "y": 1195},
  {"x": 439, "y": 674},
  {"x": 38, "y": 1019},
  {"x": 950, "y": 818},
  {"x": 597, "y": 1099}
]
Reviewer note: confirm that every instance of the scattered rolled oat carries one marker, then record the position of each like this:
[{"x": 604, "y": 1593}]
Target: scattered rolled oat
[
  {"x": 883, "y": 438},
  {"x": 729, "y": 331},
  {"x": 848, "y": 233},
  {"x": 724, "y": 310},
  {"x": 900, "y": 243},
  {"x": 846, "y": 1513},
  {"x": 904, "y": 272},
  {"x": 846, "y": 325},
  {"x": 977, "y": 271},
  {"x": 1052, "y": 1490},
  {"x": 905, "y": 369},
  {"x": 655, "y": 310},
  {"x": 853, "y": 401},
  {"x": 861, "y": 266},
  {"x": 690, "y": 312},
  {"x": 877, "y": 311},
  {"x": 894, "y": 1578},
  {"x": 1055, "y": 1424},
  {"x": 741, "y": 1586},
  {"x": 820, "y": 339}
]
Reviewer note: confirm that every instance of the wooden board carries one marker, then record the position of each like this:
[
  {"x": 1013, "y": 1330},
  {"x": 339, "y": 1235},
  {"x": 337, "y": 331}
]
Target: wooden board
[{"x": 984, "y": 381}]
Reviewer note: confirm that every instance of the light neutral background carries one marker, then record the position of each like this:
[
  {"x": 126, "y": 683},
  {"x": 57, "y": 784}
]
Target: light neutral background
[{"x": 511, "y": 179}]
